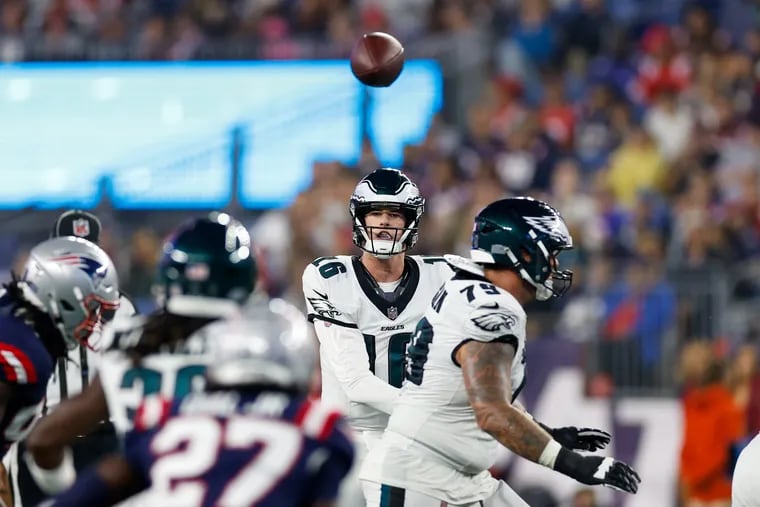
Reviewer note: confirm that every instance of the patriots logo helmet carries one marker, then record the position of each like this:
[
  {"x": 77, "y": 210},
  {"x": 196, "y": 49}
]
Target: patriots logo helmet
[
  {"x": 527, "y": 236},
  {"x": 75, "y": 282}
]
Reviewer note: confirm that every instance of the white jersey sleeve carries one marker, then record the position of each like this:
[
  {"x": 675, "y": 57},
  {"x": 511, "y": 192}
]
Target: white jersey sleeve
[
  {"x": 497, "y": 320},
  {"x": 342, "y": 348}
]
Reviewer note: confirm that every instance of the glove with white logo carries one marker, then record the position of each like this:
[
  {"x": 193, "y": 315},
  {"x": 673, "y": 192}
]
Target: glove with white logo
[
  {"x": 583, "y": 439},
  {"x": 594, "y": 470}
]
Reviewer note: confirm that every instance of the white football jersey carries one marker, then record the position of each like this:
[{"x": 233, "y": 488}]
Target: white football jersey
[
  {"x": 340, "y": 292},
  {"x": 433, "y": 409},
  {"x": 745, "y": 490}
]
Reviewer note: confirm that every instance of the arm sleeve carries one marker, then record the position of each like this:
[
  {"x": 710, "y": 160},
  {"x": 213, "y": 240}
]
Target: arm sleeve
[
  {"x": 342, "y": 346},
  {"x": 344, "y": 350}
]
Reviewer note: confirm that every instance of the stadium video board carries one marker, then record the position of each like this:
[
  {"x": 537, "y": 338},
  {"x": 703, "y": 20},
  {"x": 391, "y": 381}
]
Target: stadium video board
[{"x": 170, "y": 135}]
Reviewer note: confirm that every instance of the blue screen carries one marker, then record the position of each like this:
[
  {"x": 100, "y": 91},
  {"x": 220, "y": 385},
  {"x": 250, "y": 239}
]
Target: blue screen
[{"x": 166, "y": 135}]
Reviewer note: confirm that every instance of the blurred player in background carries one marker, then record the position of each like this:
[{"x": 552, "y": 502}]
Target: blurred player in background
[
  {"x": 252, "y": 438},
  {"x": 70, "y": 375},
  {"x": 364, "y": 309},
  {"x": 68, "y": 286},
  {"x": 207, "y": 273},
  {"x": 466, "y": 366},
  {"x": 73, "y": 375}
]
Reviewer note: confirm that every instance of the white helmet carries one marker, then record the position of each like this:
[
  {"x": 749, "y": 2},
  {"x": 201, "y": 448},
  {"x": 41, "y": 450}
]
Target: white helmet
[
  {"x": 384, "y": 189},
  {"x": 272, "y": 345},
  {"x": 74, "y": 281}
]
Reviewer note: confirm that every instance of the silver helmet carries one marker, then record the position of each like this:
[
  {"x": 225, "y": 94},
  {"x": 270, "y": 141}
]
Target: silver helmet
[
  {"x": 380, "y": 190},
  {"x": 272, "y": 345},
  {"x": 75, "y": 282}
]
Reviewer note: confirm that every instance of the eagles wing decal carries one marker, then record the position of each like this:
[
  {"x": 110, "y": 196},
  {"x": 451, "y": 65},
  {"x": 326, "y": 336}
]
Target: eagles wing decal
[
  {"x": 550, "y": 226},
  {"x": 493, "y": 319},
  {"x": 322, "y": 306}
]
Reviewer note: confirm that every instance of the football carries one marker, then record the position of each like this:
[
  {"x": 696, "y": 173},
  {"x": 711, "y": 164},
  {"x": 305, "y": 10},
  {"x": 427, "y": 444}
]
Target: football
[{"x": 377, "y": 59}]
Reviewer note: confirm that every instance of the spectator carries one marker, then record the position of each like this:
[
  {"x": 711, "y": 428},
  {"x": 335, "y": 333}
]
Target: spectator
[
  {"x": 635, "y": 167},
  {"x": 712, "y": 423}
]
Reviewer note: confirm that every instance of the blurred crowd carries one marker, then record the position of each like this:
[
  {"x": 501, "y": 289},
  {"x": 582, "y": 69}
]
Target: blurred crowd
[{"x": 638, "y": 119}]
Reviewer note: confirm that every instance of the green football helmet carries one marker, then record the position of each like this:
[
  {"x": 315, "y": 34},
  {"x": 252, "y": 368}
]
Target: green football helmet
[
  {"x": 380, "y": 190},
  {"x": 525, "y": 235},
  {"x": 207, "y": 264}
]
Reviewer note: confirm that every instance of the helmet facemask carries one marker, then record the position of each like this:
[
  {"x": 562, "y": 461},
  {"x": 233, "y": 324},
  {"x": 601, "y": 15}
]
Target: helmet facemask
[
  {"x": 403, "y": 238},
  {"x": 548, "y": 280},
  {"x": 97, "y": 312}
]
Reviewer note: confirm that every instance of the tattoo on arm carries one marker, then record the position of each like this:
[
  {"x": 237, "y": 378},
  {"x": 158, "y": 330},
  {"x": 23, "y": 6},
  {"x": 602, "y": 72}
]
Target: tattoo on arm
[{"x": 487, "y": 369}]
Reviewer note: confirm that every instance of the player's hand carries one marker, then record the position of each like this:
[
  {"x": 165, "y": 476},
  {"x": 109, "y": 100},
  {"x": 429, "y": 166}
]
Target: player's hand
[
  {"x": 593, "y": 470},
  {"x": 584, "y": 439}
]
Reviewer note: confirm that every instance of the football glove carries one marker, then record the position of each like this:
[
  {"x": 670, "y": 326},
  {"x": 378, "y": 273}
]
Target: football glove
[
  {"x": 583, "y": 439},
  {"x": 593, "y": 470}
]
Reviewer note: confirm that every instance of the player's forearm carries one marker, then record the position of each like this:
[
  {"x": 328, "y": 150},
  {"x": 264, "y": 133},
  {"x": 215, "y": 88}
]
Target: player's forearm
[
  {"x": 78, "y": 415},
  {"x": 513, "y": 429},
  {"x": 372, "y": 391}
]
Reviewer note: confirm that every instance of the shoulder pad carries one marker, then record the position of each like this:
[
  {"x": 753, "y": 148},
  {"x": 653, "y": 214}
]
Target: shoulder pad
[
  {"x": 328, "y": 267},
  {"x": 320, "y": 291}
]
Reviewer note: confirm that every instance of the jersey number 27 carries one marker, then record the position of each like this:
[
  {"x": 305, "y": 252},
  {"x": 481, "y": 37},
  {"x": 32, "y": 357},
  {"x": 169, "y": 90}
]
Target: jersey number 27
[{"x": 190, "y": 447}]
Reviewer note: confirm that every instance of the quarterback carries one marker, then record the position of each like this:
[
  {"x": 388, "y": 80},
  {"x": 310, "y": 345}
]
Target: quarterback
[
  {"x": 365, "y": 309},
  {"x": 466, "y": 366}
]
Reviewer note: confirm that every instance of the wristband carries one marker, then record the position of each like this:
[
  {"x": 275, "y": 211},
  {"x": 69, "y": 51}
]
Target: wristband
[
  {"x": 549, "y": 455},
  {"x": 54, "y": 480}
]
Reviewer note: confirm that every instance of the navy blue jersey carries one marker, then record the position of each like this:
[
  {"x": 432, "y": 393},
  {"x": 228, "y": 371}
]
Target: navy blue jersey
[
  {"x": 264, "y": 449},
  {"x": 26, "y": 366}
]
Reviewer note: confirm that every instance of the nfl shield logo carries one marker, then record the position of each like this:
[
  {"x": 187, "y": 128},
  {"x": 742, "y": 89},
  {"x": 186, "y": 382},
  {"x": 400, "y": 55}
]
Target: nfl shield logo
[
  {"x": 81, "y": 227},
  {"x": 392, "y": 312}
]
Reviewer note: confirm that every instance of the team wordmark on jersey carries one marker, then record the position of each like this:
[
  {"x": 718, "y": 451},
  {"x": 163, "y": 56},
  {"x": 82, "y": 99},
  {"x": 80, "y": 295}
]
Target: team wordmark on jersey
[
  {"x": 493, "y": 318},
  {"x": 322, "y": 306}
]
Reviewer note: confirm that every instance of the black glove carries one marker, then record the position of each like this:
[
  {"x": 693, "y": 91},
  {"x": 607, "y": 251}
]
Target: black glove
[
  {"x": 584, "y": 439},
  {"x": 594, "y": 470}
]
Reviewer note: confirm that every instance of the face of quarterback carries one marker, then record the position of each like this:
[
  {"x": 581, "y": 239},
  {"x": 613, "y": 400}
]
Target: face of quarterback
[{"x": 384, "y": 224}]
